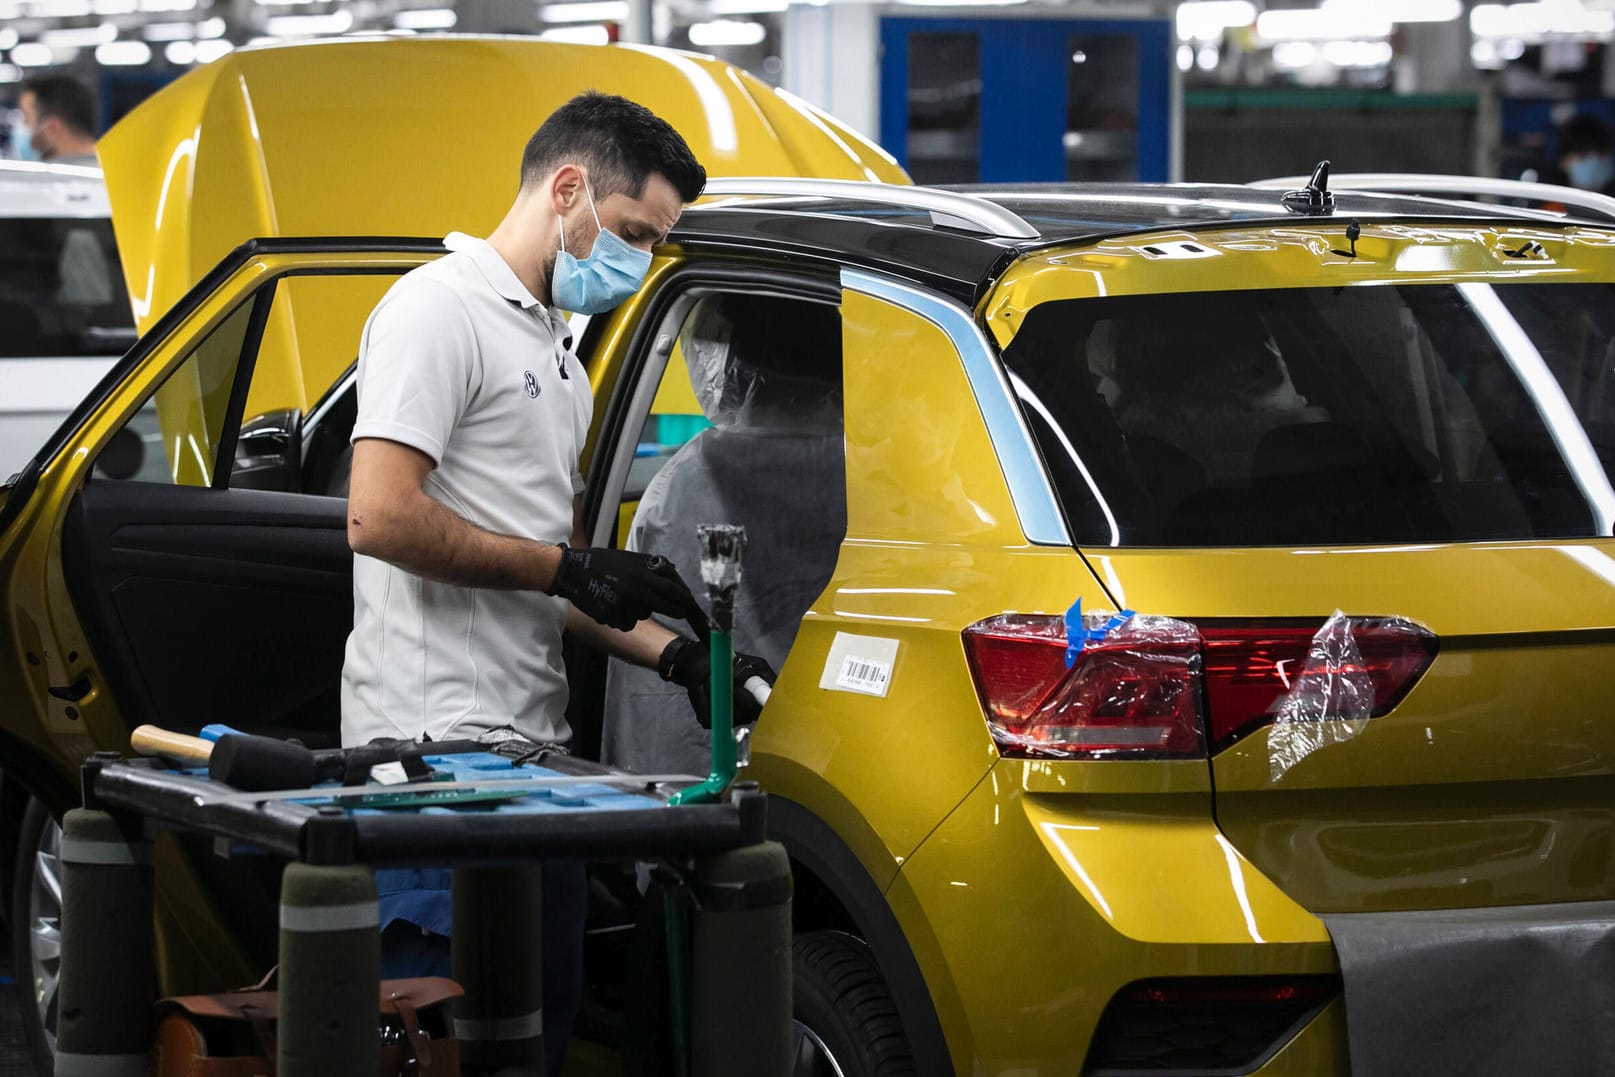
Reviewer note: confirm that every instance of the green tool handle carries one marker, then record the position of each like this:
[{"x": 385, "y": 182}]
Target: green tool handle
[{"x": 720, "y": 650}]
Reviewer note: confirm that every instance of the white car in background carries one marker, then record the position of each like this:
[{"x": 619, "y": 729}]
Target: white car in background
[{"x": 64, "y": 310}]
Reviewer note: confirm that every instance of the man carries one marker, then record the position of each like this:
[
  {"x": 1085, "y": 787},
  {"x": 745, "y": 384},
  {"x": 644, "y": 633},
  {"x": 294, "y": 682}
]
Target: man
[
  {"x": 472, "y": 410},
  {"x": 1586, "y": 154},
  {"x": 58, "y": 122}
]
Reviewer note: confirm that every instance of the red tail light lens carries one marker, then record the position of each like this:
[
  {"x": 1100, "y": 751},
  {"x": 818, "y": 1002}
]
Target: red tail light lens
[
  {"x": 1135, "y": 693},
  {"x": 1152, "y": 687},
  {"x": 1250, "y": 666}
]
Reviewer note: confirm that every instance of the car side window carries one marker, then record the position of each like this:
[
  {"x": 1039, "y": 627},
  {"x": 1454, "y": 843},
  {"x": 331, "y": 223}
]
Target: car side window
[
  {"x": 302, "y": 339},
  {"x": 174, "y": 438},
  {"x": 742, "y": 424},
  {"x": 746, "y": 427}
]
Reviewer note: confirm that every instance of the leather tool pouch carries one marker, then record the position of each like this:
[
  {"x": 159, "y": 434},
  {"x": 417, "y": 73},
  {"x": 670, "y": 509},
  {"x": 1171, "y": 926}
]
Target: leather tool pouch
[{"x": 233, "y": 1034}]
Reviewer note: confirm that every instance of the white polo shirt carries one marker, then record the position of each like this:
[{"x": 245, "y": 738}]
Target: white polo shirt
[{"x": 460, "y": 361}]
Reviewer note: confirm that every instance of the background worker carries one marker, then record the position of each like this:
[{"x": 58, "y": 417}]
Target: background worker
[
  {"x": 1586, "y": 154},
  {"x": 472, "y": 410},
  {"x": 58, "y": 122}
]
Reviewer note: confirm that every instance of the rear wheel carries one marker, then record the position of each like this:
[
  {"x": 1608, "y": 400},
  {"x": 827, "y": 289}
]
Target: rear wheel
[
  {"x": 846, "y": 1024},
  {"x": 36, "y": 939}
]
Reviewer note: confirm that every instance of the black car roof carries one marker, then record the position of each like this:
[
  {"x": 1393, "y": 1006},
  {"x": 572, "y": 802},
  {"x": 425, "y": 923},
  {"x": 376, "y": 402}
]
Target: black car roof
[{"x": 906, "y": 241}]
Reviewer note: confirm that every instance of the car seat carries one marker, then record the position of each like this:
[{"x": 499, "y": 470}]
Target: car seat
[{"x": 767, "y": 373}]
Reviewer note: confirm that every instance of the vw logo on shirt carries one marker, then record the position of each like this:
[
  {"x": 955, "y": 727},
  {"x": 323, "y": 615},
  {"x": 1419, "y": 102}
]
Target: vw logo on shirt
[{"x": 532, "y": 383}]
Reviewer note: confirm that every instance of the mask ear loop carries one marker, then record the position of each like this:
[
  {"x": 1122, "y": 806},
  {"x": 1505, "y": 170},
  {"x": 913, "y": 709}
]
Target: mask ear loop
[{"x": 596, "y": 213}]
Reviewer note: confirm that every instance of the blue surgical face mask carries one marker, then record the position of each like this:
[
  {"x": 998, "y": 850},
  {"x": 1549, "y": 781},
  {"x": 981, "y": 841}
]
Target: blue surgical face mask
[
  {"x": 1592, "y": 171},
  {"x": 22, "y": 143},
  {"x": 611, "y": 273}
]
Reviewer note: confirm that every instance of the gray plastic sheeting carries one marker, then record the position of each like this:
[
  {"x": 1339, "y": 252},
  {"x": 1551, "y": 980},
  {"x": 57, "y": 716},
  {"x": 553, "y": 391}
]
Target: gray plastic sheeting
[{"x": 1479, "y": 992}]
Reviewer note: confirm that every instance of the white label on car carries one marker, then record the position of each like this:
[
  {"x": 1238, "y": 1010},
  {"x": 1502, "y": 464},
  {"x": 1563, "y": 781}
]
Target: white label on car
[{"x": 861, "y": 664}]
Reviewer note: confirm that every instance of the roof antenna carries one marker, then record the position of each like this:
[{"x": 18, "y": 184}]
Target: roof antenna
[
  {"x": 1353, "y": 231},
  {"x": 1315, "y": 199}
]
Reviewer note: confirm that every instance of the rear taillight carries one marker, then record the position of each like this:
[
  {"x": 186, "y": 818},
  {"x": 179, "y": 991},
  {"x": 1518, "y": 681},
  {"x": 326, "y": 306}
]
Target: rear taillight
[
  {"x": 1134, "y": 693},
  {"x": 1151, "y": 687},
  {"x": 1251, "y": 666}
]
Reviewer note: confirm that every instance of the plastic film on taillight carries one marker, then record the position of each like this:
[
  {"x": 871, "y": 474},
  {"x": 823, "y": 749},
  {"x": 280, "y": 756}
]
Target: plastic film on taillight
[{"x": 1134, "y": 693}]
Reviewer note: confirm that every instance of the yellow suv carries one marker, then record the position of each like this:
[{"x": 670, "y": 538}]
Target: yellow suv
[{"x": 1189, "y": 601}]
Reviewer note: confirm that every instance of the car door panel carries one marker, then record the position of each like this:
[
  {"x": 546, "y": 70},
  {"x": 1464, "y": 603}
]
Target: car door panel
[{"x": 215, "y": 605}]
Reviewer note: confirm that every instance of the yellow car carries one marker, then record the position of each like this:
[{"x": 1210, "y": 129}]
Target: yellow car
[{"x": 1174, "y": 590}]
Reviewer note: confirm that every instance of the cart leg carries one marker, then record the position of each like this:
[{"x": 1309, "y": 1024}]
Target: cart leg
[
  {"x": 108, "y": 979},
  {"x": 741, "y": 977},
  {"x": 498, "y": 960},
  {"x": 330, "y": 969}
]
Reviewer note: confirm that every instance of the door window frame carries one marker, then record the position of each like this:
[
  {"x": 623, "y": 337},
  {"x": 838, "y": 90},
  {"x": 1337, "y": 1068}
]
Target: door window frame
[{"x": 649, "y": 349}]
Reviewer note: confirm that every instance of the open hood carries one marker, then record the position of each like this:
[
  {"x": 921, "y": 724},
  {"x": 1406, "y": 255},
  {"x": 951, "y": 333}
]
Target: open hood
[{"x": 409, "y": 137}]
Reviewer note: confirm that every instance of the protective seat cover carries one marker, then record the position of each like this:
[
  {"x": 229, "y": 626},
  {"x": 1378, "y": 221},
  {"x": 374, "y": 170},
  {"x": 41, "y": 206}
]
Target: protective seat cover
[{"x": 774, "y": 463}]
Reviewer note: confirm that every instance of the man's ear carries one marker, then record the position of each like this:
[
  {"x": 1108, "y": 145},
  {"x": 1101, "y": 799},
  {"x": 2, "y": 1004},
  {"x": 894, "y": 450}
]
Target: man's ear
[{"x": 566, "y": 188}]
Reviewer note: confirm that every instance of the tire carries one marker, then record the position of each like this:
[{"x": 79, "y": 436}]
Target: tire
[
  {"x": 36, "y": 911},
  {"x": 846, "y": 1021}
]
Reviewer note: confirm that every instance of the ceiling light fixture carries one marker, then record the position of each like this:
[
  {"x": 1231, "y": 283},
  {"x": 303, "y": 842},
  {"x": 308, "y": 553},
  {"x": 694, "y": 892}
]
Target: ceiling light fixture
[
  {"x": 588, "y": 11},
  {"x": 123, "y": 54},
  {"x": 1206, "y": 20},
  {"x": 337, "y": 22},
  {"x": 32, "y": 54},
  {"x": 727, "y": 33},
  {"x": 578, "y": 35},
  {"x": 1321, "y": 24},
  {"x": 431, "y": 18}
]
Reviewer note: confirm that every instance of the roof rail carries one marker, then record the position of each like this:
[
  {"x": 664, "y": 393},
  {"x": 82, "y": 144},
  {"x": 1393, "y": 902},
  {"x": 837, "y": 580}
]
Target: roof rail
[
  {"x": 950, "y": 209},
  {"x": 1465, "y": 188}
]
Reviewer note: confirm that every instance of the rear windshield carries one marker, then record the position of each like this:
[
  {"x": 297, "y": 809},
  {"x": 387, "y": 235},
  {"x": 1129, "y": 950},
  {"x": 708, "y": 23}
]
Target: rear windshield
[
  {"x": 61, "y": 289},
  {"x": 1362, "y": 414}
]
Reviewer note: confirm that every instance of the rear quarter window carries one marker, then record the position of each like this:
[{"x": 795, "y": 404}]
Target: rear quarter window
[{"x": 61, "y": 289}]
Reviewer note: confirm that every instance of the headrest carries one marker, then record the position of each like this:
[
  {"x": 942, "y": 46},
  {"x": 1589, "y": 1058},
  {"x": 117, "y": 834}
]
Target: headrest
[{"x": 763, "y": 363}]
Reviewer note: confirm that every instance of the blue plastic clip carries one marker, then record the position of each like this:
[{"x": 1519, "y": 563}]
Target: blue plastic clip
[
  {"x": 214, "y": 730},
  {"x": 1077, "y": 637}
]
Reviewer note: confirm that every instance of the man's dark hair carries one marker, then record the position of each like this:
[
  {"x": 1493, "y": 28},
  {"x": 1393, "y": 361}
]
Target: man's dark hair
[
  {"x": 619, "y": 143},
  {"x": 68, "y": 99},
  {"x": 1584, "y": 133}
]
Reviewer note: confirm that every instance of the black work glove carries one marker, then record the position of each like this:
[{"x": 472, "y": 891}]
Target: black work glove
[
  {"x": 620, "y": 588},
  {"x": 688, "y": 664}
]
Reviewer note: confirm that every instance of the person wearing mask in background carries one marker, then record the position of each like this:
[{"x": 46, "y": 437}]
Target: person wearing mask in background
[
  {"x": 58, "y": 122},
  {"x": 472, "y": 410},
  {"x": 1586, "y": 154}
]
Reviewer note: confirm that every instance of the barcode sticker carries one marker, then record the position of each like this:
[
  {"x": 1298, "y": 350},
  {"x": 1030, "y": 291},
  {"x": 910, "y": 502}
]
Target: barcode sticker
[
  {"x": 861, "y": 664},
  {"x": 864, "y": 675}
]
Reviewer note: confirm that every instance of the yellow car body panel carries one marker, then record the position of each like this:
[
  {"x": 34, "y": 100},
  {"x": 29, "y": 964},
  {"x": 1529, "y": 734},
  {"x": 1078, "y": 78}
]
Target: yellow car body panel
[
  {"x": 1103, "y": 890},
  {"x": 336, "y": 139},
  {"x": 404, "y": 137}
]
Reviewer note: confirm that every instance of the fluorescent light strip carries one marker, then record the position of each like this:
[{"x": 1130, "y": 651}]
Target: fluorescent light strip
[
  {"x": 588, "y": 11},
  {"x": 432, "y": 18},
  {"x": 123, "y": 54}
]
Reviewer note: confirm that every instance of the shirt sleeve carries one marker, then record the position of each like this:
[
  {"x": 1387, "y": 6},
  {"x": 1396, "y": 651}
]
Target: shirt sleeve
[{"x": 417, "y": 363}]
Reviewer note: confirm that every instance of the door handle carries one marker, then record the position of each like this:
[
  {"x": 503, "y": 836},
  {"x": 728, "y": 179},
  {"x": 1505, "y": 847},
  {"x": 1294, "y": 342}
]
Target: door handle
[{"x": 74, "y": 692}]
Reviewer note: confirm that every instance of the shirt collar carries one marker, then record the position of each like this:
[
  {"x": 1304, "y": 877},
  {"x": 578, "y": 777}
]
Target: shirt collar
[{"x": 494, "y": 267}]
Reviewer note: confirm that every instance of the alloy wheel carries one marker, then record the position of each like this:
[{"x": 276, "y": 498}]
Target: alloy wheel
[
  {"x": 45, "y": 927},
  {"x": 810, "y": 1056}
]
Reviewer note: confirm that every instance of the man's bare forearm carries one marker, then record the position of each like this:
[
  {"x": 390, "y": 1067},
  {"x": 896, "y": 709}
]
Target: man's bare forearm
[
  {"x": 642, "y": 646},
  {"x": 427, "y": 538}
]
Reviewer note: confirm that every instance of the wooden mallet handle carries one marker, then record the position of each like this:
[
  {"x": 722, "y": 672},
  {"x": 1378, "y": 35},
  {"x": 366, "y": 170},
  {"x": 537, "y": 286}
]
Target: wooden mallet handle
[{"x": 152, "y": 740}]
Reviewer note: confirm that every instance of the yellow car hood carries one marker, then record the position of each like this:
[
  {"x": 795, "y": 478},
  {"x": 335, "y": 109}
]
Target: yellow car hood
[{"x": 409, "y": 137}]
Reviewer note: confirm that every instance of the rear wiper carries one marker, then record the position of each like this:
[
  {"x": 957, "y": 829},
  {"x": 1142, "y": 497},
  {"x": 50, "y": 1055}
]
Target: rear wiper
[{"x": 1353, "y": 232}]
